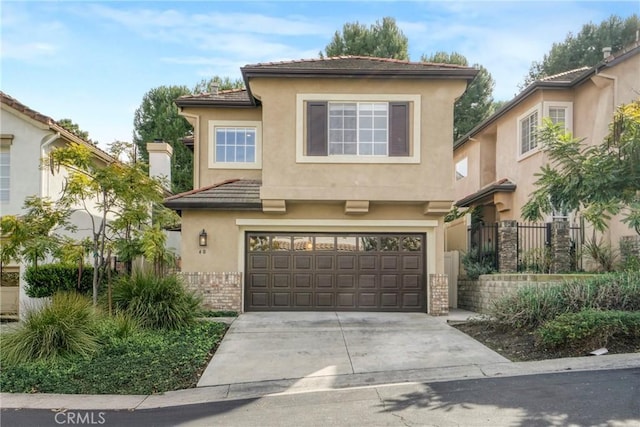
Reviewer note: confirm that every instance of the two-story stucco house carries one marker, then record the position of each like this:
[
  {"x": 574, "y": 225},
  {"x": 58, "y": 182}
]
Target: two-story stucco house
[
  {"x": 496, "y": 163},
  {"x": 325, "y": 182},
  {"x": 27, "y": 138}
]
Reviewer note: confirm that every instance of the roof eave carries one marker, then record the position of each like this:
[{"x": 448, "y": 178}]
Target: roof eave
[
  {"x": 500, "y": 188},
  {"x": 538, "y": 85},
  {"x": 250, "y": 206},
  {"x": 214, "y": 103}
]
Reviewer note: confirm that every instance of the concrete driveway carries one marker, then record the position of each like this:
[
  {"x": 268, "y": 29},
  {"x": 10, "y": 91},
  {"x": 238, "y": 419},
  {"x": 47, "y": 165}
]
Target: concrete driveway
[{"x": 288, "y": 346}]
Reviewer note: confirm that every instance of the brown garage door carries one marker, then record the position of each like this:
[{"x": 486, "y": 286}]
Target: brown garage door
[{"x": 357, "y": 272}]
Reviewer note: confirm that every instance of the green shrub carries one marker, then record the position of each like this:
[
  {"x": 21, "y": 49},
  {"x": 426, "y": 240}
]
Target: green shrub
[
  {"x": 156, "y": 302},
  {"x": 588, "y": 329},
  {"x": 64, "y": 326},
  {"x": 476, "y": 263},
  {"x": 119, "y": 326},
  {"x": 144, "y": 362},
  {"x": 531, "y": 306},
  {"x": 48, "y": 279}
]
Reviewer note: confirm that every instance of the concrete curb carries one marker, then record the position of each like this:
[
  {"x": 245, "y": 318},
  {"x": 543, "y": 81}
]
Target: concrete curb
[{"x": 260, "y": 389}]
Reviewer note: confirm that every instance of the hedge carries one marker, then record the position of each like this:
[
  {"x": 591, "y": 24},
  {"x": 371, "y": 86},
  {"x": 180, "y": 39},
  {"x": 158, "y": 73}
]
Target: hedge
[
  {"x": 47, "y": 279},
  {"x": 588, "y": 329}
]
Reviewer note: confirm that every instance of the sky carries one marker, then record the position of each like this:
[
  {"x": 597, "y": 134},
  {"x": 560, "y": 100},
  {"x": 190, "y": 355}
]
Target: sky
[{"x": 93, "y": 62}]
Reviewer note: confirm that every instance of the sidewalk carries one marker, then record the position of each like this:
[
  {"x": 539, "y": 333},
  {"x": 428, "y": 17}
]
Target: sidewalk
[{"x": 320, "y": 381}]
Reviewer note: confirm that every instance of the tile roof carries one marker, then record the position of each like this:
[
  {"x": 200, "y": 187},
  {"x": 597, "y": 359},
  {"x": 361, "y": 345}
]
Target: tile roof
[
  {"x": 52, "y": 124},
  {"x": 237, "y": 96},
  {"x": 503, "y": 185},
  {"x": 233, "y": 194},
  {"x": 354, "y": 62}
]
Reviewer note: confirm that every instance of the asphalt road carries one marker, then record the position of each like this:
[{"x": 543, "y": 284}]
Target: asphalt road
[{"x": 595, "y": 398}]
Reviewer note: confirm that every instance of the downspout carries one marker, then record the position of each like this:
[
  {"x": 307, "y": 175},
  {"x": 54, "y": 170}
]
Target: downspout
[{"x": 44, "y": 181}]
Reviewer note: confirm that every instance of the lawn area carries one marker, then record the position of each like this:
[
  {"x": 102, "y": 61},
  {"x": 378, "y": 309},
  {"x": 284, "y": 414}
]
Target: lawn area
[{"x": 143, "y": 362}]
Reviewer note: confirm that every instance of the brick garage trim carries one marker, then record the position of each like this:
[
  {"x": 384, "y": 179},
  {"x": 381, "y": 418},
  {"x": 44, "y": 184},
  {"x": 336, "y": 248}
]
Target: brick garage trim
[
  {"x": 438, "y": 294},
  {"x": 219, "y": 291}
]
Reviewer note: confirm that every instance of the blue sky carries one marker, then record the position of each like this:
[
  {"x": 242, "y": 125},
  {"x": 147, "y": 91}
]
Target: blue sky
[{"x": 94, "y": 61}]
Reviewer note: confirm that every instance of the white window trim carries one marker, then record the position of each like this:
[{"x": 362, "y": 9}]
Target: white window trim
[
  {"x": 519, "y": 154},
  {"x": 455, "y": 169},
  {"x": 301, "y": 98},
  {"x": 5, "y": 148},
  {"x": 213, "y": 124},
  {"x": 568, "y": 106}
]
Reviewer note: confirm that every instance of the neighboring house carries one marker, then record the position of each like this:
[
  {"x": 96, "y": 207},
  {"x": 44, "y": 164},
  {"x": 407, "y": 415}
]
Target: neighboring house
[
  {"x": 325, "y": 182},
  {"x": 496, "y": 162},
  {"x": 27, "y": 138}
]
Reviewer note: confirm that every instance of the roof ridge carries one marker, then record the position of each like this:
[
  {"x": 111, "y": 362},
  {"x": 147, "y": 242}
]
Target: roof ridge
[{"x": 362, "y": 57}]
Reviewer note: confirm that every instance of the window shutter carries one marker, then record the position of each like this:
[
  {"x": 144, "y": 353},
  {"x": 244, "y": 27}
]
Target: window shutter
[
  {"x": 317, "y": 129},
  {"x": 399, "y": 129}
]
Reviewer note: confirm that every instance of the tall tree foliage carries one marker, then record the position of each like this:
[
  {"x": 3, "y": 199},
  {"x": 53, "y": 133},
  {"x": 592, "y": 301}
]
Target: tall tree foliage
[
  {"x": 158, "y": 118},
  {"x": 476, "y": 104},
  {"x": 382, "y": 39},
  {"x": 585, "y": 48},
  {"x": 600, "y": 181}
]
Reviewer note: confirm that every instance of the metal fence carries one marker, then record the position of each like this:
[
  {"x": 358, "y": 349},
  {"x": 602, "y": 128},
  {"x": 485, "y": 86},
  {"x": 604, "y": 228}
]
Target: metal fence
[{"x": 533, "y": 246}]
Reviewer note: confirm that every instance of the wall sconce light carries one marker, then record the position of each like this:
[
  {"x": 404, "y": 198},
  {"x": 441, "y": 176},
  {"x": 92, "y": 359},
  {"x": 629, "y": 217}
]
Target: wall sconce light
[{"x": 203, "y": 238}]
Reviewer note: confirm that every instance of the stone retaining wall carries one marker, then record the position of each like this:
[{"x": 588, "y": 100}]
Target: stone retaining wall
[
  {"x": 219, "y": 291},
  {"x": 479, "y": 295}
]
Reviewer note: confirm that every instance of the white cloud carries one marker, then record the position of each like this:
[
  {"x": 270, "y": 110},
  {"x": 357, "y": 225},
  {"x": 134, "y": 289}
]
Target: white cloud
[{"x": 27, "y": 40}]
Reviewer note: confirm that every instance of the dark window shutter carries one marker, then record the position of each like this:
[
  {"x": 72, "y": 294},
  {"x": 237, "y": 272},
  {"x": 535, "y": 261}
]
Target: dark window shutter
[
  {"x": 399, "y": 129},
  {"x": 317, "y": 129}
]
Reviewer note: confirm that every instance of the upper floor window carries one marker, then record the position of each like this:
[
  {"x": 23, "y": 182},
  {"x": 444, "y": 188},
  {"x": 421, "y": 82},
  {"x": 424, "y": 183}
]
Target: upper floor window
[
  {"x": 560, "y": 113},
  {"x": 359, "y": 129},
  {"x": 528, "y": 129},
  {"x": 461, "y": 169},
  {"x": 234, "y": 144}
]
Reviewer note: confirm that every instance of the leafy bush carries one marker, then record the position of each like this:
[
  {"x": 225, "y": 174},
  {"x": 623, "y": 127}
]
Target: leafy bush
[
  {"x": 601, "y": 253},
  {"x": 144, "y": 362},
  {"x": 537, "y": 260},
  {"x": 65, "y": 326},
  {"x": 531, "y": 306},
  {"x": 48, "y": 279},
  {"x": 588, "y": 329},
  {"x": 156, "y": 302},
  {"x": 477, "y": 263}
]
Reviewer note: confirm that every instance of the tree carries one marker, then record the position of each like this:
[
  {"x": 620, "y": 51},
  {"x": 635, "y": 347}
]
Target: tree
[
  {"x": 585, "y": 48},
  {"x": 382, "y": 39},
  {"x": 158, "y": 118},
  {"x": 31, "y": 237},
  {"x": 476, "y": 104},
  {"x": 117, "y": 199},
  {"x": 74, "y": 128},
  {"x": 600, "y": 181}
]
